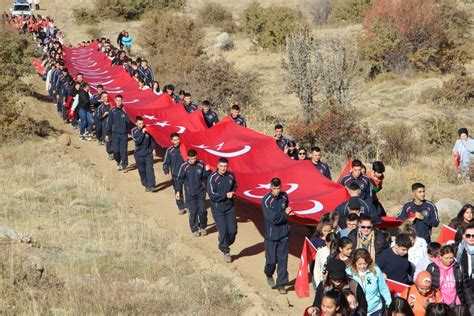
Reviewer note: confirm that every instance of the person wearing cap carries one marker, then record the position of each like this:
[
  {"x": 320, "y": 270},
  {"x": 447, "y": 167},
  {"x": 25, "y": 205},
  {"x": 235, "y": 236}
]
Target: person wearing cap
[
  {"x": 368, "y": 237},
  {"x": 276, "y": 209},
  {"x": 463, "y": 152},
  {"x": 236, "y": 117},
  {"x": 321, "y": 166},
  {"x": 356, "y": 175},
  {"x": 394, "y": 261},
  {"x": 358, "y": 206},
  {"x": 422, "y": 213},
  {"x": 420, "y": 294},
  {"x": 337, "y": 278}
]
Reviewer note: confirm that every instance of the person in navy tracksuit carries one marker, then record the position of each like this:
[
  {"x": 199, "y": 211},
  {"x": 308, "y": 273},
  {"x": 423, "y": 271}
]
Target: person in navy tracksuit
[
  {"x": 347, "y": 207},
  {"x": 235, "y": 115},
  {"x": 210, "y": 116},
  {"x": 281, "y": 141},
  {"x": 146, "y": 72},
  {"x": 171, "y": 163},
  {"x": 275, "y": 213},
  {"x": 422, "y": 213},
  {"x": 144, "y": 147},
  {"x": 221, "y": 187},
  {"x": 189, "y": 106},
  {"x": 322, "y": 167},
  {"x": 193, "y": 175},
  {"x": 361, "y": 179},
  {"x": 102, "y": 115},
  {"x": 117, "y": 129},
  {"x": 96, "y": 101}
]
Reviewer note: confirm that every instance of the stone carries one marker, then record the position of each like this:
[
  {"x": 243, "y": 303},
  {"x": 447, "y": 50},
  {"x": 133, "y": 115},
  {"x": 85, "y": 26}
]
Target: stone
[
  {"x": 224, "y": 41},
  {"x": 448, "y": 208},
  {"x": 9, "y": 233}
]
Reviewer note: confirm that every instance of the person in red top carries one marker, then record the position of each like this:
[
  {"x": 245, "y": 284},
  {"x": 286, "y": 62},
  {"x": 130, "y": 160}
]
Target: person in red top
[{"x": 420, "y": 294}]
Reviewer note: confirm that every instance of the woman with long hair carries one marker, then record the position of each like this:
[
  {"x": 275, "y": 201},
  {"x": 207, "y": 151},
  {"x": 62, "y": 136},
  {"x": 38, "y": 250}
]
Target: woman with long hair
[
  {"x": 370, "y": 278},
  {"x": 321, "y": 258},
  {"x": 464, "y": 217},
  {"x": 399, "y": 307},
  {"x": 322, "y": 230},
  {"x": 343, "y": 250}
]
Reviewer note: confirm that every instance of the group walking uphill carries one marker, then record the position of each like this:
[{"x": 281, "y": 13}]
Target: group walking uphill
[{"x": 356, "y": 261}]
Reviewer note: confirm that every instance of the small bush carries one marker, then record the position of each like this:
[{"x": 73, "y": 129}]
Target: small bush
[
  {"x": 457, "y": 92},
  {"x": 133, "y": 9},
  {"x": 188, "y": 67},
  {"x": 269, "y": 27},
  {"x": 399, "y": 145},
  {"x": 350, "y": 11},
  {"x": 84, "y": 16},
  {"x": 399, "y": 38},
  {"x": 215, "y": 14},
  {"x": 335, "y": 129},
  {"x": 94, "y": 32}
]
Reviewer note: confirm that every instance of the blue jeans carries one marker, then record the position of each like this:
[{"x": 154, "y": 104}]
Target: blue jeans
[{"x": 85, "y": 118}]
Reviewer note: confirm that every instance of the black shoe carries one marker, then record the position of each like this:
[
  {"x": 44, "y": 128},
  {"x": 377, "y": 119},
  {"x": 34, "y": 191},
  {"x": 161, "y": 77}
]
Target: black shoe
[{"x": 271, "y": 282}]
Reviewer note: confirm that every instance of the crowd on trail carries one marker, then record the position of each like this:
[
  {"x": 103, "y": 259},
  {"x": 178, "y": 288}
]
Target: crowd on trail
[{"x": 355, "y": 258}]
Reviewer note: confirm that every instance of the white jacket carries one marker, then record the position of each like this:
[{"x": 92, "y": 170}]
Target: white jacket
[{"x": 320, "y": 264}]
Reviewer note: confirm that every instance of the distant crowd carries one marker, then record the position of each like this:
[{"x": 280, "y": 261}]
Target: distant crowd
[{"x": 355, "y": 258}]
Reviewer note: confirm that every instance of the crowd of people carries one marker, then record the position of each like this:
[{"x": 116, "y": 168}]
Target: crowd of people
[{"x": 354, "y": 260}]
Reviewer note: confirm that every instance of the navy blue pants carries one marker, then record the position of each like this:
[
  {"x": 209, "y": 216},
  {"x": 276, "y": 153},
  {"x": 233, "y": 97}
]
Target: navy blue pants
[
  {"x": 98, "y": 129},
  {"x": 197, "y": 212},
  {"x": 276, "y": 257},
  {"x": 120, "y": 148},
  {"x": 226, "y": 224},
  {"x": 145, "y": 169},
  {"x": 180, "y": 203}
]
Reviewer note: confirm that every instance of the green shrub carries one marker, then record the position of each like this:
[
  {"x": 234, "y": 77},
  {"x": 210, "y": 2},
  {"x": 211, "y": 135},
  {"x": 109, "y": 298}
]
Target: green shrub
[
  {"x": 84, "y": 16},
  {"x": 215, "y": 14},
  {"x": 174, "y": 47},
  {"x": 399, "y": 145},
  {"x": 269, "y": 27},
  {"x": 399, "y": 38},
  {"x": 350, "y": 11},
  {"x": 133, "y": 9},
  {"x": 440, "y": 130}
]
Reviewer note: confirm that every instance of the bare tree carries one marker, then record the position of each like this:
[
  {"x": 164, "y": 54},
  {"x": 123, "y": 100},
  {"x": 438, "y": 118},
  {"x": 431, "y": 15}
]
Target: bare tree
[{"x": 322, "y": 67}]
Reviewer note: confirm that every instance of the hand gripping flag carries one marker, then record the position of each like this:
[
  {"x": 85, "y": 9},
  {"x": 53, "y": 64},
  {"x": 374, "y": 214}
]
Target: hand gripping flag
[{"x": 307, "y": 255}]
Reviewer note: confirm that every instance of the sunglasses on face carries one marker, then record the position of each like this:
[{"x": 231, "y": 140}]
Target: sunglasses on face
[
  {"x": 469, "y": 236},
  {"x": 301, "y": 153},
  {"x": 365, "y": 227}
]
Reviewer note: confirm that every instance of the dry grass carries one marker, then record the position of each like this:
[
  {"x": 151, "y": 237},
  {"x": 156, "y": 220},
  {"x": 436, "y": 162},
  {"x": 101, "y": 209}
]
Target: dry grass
[{"x": 100, "y": 257}]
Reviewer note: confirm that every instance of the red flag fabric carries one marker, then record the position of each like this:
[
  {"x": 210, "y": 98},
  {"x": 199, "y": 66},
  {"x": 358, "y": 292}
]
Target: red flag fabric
[
  {"x": 308, "y": 254},
  {"x": 446, "y": 235},
  {"x": 457, "y": 160},
  {"x": 396, "y": 288},
  {"x": 346, "y": 170},
  {"x": 254, "y": 158},
  {"x": 38, "y": 66}
]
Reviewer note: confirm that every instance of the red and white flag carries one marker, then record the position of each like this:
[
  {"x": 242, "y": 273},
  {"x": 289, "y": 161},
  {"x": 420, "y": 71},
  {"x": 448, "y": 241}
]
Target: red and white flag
[
  {"x": 446, "y": 235},
  {"x": 308, "y": 254},
  {"x": 396, "y": 288},
  {"x": 346, "y": 170}
]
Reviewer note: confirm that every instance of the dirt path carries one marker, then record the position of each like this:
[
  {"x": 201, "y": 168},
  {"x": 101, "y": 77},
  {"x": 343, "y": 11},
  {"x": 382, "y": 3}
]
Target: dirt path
[{"x": 160, "y": 208}]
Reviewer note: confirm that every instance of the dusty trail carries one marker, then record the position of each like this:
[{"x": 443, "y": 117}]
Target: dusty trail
[{"x": 160, "y": 208}]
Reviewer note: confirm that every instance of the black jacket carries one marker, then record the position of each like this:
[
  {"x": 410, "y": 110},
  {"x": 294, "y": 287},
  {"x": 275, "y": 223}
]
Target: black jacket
[
  {"x": 275, "y": 217},
  {"x": 144, "y": 143},
  {"x": 117, "y": 121},
  {"x": 172, "y": 161},
  {"x": 217, "y": 188},
  {"x": 355, "y": 288},
  {"x": 84, "y": 100},
  {"x": 463, "y": 285},
  {"x": 380, "y": 242},
  {"x": 193, "y": 177}
]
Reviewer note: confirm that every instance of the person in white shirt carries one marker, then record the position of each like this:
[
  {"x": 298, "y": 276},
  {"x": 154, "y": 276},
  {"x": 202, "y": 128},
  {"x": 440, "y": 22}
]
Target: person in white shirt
[{"x": 319, "y": 271}]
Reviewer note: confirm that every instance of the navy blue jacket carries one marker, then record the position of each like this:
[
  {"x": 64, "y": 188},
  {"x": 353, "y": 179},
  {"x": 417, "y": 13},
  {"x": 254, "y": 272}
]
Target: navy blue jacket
[
  {"x": 217, "y": 188},
  {"x": 100, "y": 112},
  {"x": 211, "y": 118},
  {"x": 62, "y": 86},
  {"x": 323, "y": 168},
  {"x": 364, "y": 183},
  {"x": 117, "y": 122},
  {"x": 275, "y": 218},
  {"x": 172, "y": 161},
  {"x": 95, "y": 101},
  {"x": 343, "y": 211},
  {"x": 193, "y": 177},
  {"x": 190, "y": 108},
  {"x": 147, "y": 75},
  {"x": 144, "y": 143},
  {"x": 175, "y": 98},
  {"x": 282, "y": 142},
  {"x": 422, "y": 227},
  {"x": 240, "y": 120}
]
